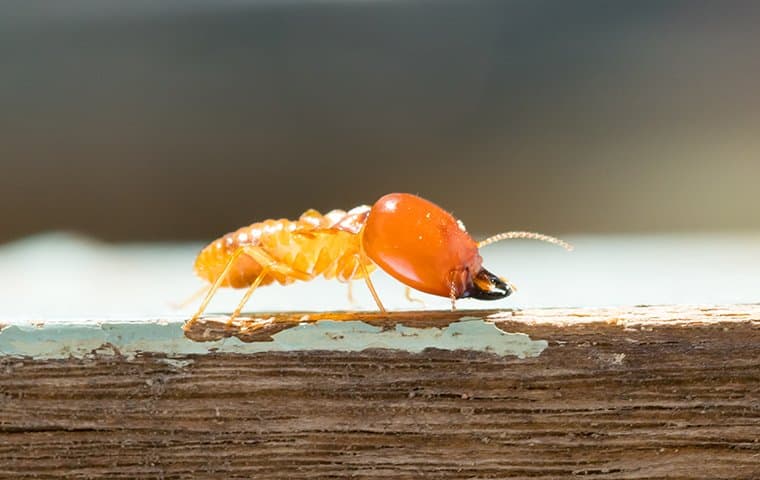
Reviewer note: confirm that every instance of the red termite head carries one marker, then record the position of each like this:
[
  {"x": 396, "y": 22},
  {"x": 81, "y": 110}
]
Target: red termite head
[{"x": 426, "y": 248}]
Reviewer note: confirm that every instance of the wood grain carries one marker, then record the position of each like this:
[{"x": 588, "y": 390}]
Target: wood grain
[{"x": 617, "y": 395}]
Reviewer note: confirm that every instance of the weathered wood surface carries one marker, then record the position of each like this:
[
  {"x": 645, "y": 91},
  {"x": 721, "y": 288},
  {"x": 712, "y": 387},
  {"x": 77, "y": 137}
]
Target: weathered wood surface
[{"x": 638, "y": 393}]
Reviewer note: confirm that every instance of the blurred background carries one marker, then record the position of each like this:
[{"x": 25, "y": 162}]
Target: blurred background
[{"x": 147, "y": 120}]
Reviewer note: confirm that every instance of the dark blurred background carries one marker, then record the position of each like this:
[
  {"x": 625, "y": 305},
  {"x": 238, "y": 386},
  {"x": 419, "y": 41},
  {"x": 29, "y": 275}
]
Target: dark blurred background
[{"x": 183, "y": 119}]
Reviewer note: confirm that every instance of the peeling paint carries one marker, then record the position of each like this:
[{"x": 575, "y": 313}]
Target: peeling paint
[{"x": 80, "y": 340}]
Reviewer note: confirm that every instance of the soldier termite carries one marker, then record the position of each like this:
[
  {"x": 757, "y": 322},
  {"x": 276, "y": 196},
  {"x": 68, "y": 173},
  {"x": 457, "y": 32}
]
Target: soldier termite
[{"x": 412, "y": 239}]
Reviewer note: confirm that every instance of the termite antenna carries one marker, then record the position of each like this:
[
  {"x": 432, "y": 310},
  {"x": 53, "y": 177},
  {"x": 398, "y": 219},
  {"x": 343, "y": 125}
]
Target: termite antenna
[{"x": 526, "y": 235}]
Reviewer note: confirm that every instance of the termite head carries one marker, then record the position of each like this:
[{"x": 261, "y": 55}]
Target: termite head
[{"x": 426, "y": 248}]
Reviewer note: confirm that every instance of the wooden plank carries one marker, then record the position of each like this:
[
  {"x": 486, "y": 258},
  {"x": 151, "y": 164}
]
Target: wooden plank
[{"x": 647, "y": 392}]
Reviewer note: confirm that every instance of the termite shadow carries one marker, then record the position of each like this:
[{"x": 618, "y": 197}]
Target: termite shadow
[{"x": 262, "y": 326}]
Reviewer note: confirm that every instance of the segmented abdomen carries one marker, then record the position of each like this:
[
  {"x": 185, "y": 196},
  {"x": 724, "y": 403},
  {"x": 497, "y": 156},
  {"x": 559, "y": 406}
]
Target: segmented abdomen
[{"x": 314, "y": 245}]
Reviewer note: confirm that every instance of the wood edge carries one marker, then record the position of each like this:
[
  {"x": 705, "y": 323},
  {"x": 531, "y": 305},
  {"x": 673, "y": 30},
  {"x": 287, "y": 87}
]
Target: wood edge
[{"x": 262, "y": 326}]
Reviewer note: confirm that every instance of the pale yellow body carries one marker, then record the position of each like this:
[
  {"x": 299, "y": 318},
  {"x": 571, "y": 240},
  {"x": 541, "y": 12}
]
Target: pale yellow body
[{"x": 314, "y": 245}]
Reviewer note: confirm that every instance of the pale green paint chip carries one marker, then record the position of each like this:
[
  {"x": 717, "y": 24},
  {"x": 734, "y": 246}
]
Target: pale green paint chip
[{"x": 64, "y": 340}]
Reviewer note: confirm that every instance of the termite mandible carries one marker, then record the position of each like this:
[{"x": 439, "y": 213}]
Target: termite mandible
[{"x": 412, "y": 239}]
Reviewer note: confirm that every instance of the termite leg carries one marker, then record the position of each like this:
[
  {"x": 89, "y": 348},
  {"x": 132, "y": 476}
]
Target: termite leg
[
  {"x": 350, "y": 292},
  {"x": 371, "y": 287},
  {"x": 263, "y": 258},
  {"x": 195, "y": 296},
  {"x": 408, "y": 295},
  {"x": 214, "y": 287},
  {"x": 268, "y": 265},
  {"x": 248, "y": 294},
  {"x": 453, "y": 296}
]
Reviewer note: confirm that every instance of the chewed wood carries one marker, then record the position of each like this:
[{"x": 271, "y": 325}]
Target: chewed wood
[
  {"x": 315, "y": 244},
  {"x": 617, "y": 394}
]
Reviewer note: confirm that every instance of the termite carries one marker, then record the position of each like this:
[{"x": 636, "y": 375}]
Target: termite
[{"x": 412, "y": 239}]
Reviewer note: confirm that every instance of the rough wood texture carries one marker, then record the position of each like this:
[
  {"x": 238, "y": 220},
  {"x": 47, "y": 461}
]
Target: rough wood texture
[{"x": 633, "y": 394}]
